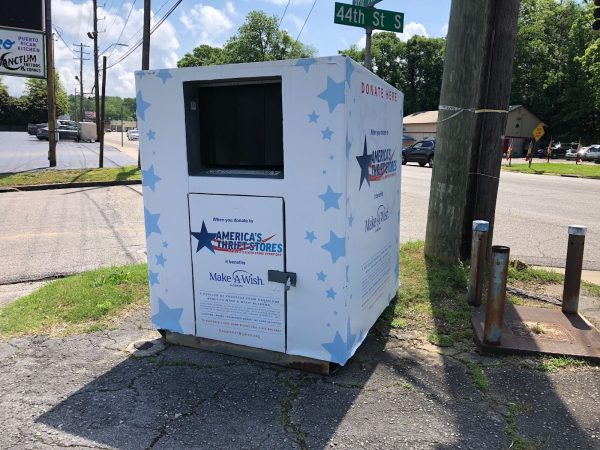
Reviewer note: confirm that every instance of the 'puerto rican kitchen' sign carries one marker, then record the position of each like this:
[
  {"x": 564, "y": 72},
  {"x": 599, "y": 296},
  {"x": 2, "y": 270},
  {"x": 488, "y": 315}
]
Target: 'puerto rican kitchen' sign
[{"x": 22, "y": 53}]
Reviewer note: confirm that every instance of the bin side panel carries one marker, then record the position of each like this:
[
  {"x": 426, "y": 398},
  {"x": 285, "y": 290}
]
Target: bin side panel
[
  {"x": 315, "y": 134},
  {"x": 159, "y": 98},
  {"x": 373, "y": 186}
]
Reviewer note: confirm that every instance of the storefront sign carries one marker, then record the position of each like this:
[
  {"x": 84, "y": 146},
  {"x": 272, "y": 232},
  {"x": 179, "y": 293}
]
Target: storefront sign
[{"x": 22, "y": 53}]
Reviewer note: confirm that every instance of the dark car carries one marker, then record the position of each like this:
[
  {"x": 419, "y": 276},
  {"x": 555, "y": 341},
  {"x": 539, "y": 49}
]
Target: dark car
[
  {"x": 66, "y": 130},
  {"x": 558, "y": 151},
  {"x": 420, "y": 152},
  {"x": 33, "y": 128}
]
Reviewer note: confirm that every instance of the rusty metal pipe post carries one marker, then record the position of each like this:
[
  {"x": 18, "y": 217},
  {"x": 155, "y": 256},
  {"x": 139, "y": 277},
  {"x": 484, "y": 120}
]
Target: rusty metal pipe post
[
  {"x": 494, "y": 315},
  {"x": 570, "y": 302},
  {"x": 478, "y": 249}
]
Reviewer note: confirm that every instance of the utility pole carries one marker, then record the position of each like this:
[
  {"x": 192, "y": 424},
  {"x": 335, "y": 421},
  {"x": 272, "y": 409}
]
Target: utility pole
[
  {"x": 101, "y": 161},
  {"x": 145, "y": 51},
  {"x": 121, "y": 122},
  {"x": 94, "y": 35},
  {"x": 80, "y": 78},
  {"x": 462, "y": 67},
  {"x": 50, "y": 84},
  {"x": 490, "y": 121}
]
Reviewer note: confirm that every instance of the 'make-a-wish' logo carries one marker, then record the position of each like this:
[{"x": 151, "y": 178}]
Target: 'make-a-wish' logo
[
  {"x": 252, "y": 243},
  {"x": 377, "y": 166},
  {"x": 237, "y": 278},
  {"x": 374, "y": 222}
]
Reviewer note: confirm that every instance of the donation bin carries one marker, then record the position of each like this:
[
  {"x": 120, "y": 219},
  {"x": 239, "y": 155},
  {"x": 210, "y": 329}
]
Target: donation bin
[{"x": 271, "y": 205}]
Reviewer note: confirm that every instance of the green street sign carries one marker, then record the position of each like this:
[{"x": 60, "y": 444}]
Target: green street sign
[
  {"x": 365, "y": 2},
  {"x": 359, "y": 16}
]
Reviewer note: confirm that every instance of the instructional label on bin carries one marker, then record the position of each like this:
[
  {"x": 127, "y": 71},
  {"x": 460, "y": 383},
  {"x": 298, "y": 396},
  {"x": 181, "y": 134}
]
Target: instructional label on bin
[{"x": 235, "y": 241}]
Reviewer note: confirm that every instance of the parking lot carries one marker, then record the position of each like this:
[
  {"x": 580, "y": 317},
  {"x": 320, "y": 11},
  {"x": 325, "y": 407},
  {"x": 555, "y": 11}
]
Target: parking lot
[{"x": 20, "y": 152}]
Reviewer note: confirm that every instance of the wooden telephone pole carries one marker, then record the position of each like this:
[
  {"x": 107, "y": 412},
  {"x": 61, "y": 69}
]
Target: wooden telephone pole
[
  {"x": 460, "y": 81},
  {"x": 490, "y": 123},
  {"x": 51, "y": 90}
]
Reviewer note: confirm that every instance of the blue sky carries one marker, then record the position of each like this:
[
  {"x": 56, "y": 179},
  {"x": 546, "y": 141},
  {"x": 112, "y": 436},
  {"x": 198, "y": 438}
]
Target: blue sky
[{"x": 207, "y": 22}]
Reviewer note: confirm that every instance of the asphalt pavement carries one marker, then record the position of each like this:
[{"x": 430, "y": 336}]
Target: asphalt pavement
[
  {"x": 397, "y": 392},
  {"x": 20, "y": 152}
]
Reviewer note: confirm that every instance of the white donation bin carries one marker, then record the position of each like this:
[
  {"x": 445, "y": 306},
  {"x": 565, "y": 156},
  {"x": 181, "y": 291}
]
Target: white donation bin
[{"x": 271, "y": 204}]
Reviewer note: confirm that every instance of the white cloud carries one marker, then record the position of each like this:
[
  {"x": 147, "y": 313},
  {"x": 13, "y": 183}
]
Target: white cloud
[
  {"x": 410, "y": 30},
  {"x": 295, "y": 20},
  {"x": 444, "y": 30},
  {"x": 209, "y": 23},
  {"x": 284, "y": 2}
]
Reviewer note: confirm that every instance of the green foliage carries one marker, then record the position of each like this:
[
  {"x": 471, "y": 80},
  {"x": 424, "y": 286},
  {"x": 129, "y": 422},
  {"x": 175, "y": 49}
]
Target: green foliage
[
  {"x": 70, "y": 176},
  {"x": 556, "y": 73},
  {"x": 258, "y": 39},
  {"x": 415, "y": 67},
  {"x": 537, "y": 168},
  {"x": 35, "y": 100}
]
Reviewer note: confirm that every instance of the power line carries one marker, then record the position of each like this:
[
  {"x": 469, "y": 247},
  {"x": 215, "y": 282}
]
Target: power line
[
  {"x": 284, "y": 11},
  {"x": 154, "y": 28},
  {"x": 63, "y": 41},
  {"x": 123, "y": 29},
  {"x": 137, "y": 32},
  {"x": 311, "y": 8}
]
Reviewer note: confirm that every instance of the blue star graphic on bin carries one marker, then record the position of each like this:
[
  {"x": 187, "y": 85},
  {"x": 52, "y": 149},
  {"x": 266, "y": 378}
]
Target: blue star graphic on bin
[
  {"x": 167, "y": 318},
  {"x": 142, "y": 105},
  {"x": 313, "y": 117},
  {"x": 165, "y": 244},
  {"x": 161, "y": 260},
  {"x": 338, "y": 348},
  {"x": 139, "y": 73},
  {"x": 310, "y": 236},
  {"x": 149, "y": 178},
  {"x": 336, "y": 246},
  {"x": 151, "y": 134},
  {"x": 331, "y": 293},
  {"x": 334, "y": 94},
  {"x": 204, "y": 238},
  {"x": 151, "y": 221},
  {"x": 350, "y": 220},
  {"x": 305, "y": 63},
  {"x": 330, "y": 199},
  {"x": 349, "y": 70},
  {"x": 364, "y": 162},
  {"x": 327, "y": 133},
  {"x": 153, "y": 278},
  {"x": 164, "y": 75},
  {"x": 321, "y": 276}
]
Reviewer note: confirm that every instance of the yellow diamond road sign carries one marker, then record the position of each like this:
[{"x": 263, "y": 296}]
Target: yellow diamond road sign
[{"x": 538, "y": 132}]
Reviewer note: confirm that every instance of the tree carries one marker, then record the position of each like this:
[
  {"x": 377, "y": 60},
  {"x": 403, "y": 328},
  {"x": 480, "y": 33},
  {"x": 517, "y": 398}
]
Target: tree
[
  {"x": 35, "y": 100},
  {"x": 258, "y": 39}
]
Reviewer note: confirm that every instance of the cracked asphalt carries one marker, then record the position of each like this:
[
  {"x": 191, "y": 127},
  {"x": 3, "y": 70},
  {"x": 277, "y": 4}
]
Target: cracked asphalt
[{"x": 85, "y": 391}]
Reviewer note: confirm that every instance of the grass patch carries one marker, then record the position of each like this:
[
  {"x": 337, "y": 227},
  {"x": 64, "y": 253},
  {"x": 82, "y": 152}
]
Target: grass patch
[
  {"x": 531, "y": 275},
  {"x": 580, "y": 170},
  {"x": 518, "y": 442},
  {"x": 479, "y": 379},
  {"x": 69, "y": 176},
  {"x": 431, "y": 298},
  {"x": 86, "y": 302},
  {"x": 553, "y": 364}
]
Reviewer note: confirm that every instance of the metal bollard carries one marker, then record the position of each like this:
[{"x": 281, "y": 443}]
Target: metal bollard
[
  {"x": 494, "y": 315},
  {"x": 478, "y": 249},
  {"x": 570, "y": 302}
]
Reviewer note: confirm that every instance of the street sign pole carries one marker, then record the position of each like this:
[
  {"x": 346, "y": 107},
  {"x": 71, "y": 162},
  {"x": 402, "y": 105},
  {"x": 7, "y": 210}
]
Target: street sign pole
[{"x": 368, "y": 31}]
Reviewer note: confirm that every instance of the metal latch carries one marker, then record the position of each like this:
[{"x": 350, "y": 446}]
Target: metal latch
[{"x": 286, "y": 278}]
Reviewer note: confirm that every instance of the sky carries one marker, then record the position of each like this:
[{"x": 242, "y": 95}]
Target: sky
[{"x": 203, "y": 22}]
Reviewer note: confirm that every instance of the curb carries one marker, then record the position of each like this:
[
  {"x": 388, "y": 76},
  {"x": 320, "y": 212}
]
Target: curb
[{"x": 83, "y": 184}]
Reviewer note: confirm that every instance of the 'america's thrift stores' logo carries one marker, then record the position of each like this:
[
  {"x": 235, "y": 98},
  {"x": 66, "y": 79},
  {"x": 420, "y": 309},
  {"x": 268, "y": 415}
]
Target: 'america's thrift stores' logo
[
  {"x": 252, "y": 243},
  {"x": 377, "y": 166}
]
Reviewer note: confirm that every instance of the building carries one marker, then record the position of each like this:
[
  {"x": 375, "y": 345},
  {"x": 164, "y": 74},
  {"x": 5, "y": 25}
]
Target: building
[{"x": 519, "y": 126}]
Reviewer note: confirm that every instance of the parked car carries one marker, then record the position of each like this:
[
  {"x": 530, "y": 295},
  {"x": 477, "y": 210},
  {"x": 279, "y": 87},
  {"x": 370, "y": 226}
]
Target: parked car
[
  {"x": 407, "y": 140},
  {"x": 421, "y": 152},
  {"x": 593, "y": 153},
  {"x": 572, "y": 154},
  {"x": 558, "y": 150},
  {"x": 67, "y": 129},
  {"x": 33, "y": 128},
  {"x": 133, "y": 135}
]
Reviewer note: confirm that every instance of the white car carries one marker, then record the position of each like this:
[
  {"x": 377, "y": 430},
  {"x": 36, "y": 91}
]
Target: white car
[{"x": 133, "y": 135}]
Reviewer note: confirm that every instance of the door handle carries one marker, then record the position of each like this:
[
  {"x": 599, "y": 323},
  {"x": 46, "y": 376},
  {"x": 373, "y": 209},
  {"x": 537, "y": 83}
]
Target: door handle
[{"x": 286, "y": 278}]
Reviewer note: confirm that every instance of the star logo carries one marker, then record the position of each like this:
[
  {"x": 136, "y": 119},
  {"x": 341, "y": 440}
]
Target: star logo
[
  {"x": 310, "y": 236},
  {"x": 364, "y": 162},
  {"x": 142, "y": 105},
  {"x": 335, "y": 94},
  {"x": 305, "y": 63},
  {"x": 330, "y": 199},
  {"x": 204, "y": 238},
  {"x": 321, "y": 276},
  {"x": 331, "y": 293},
  {"x": 167, "y": 318},
  {"x": 164, "y": 75},
  {"x": 327, "y": 133},
  {"x": 151, "y": 221},
  {"x": 336, "y": 246},
  {"x": 313, "y": 117},
  {"x": 149, "y": 178},
  {"x": 340, "y": 349}
]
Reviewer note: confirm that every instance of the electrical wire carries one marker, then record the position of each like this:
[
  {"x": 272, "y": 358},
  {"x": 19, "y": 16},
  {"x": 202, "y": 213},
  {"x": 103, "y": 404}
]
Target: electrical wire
[
  {"x": 123, "y": 29},
  {"x": 63, "y": 41},
  {"x": 115, "y": 15},
  {"x": 284, "y": 11},
  {"x": 139, "y": 30},
  {"x": 311, "y": 9},
  {"x": 152, "y": 30}
]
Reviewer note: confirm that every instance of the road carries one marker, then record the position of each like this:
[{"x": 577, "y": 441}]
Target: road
[
  {"x": 70, "y": 230},
  {"x": 532, "y": 214},
  {"x": 21, "y": 152}
]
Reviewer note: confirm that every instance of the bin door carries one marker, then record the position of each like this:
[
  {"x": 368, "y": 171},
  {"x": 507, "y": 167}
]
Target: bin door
[{"x": 235, "y": 241}]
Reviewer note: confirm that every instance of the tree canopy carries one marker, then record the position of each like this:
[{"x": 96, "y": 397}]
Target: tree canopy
[{"x": 258, "y": 39}]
